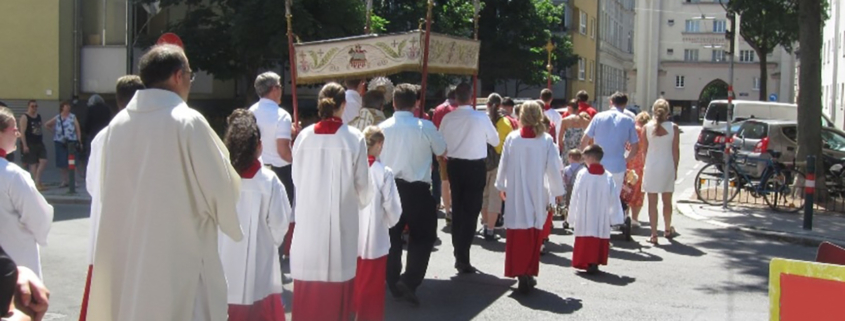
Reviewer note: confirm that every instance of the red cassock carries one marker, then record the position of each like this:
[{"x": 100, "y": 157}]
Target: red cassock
[
  {"x": 368, "y": 303},
  {"x": 522, "y": 252},
  {"x": 310, "y": 304},
  {"x": 595, "y": 202},
  {"x": 268, "y": 309},
  {"x": 547, "y": 227},
  {"x": 590, "y": 250}
]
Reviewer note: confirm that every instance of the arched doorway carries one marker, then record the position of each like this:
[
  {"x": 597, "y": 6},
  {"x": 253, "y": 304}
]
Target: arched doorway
[{"x": 715, "y": 90}]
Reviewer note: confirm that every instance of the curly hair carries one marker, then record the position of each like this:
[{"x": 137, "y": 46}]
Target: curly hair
[{"x": 242, "y": 139}]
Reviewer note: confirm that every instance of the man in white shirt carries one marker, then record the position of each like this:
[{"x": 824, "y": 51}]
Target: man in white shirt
[
  {"x": 275, "y": 125},
  {"x": 354, "y": 89},
  {"x": 408, "y": 145},
  {"x": 467, "y": 133}
]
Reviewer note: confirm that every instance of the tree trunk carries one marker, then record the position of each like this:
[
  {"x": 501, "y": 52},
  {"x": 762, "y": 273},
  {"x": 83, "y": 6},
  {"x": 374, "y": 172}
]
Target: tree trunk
[
  {"x": 764, "y": 75},
  {"x": 809, "y": 80}
]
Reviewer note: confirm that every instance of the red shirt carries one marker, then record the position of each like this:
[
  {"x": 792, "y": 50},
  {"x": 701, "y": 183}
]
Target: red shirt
[
  {"x": 417, "y": 112},
  {"x": 441, "y": 111},
  {"x": 583, "y": 108}
]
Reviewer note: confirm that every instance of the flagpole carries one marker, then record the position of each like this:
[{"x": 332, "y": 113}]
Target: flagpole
[
  {"x": 292, "y": 59},
  {"x": 425, "y": 55}
]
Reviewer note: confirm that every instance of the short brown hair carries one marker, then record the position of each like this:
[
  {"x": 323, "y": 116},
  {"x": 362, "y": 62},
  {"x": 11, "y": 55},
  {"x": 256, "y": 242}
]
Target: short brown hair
[
  {"x": 126, "y": 88},
  {"x": 619, "y": 98},
  {"x": 159, "y": 64},
  {"x": 594, "y": 151},
  {"x": 582, "y": 96},
  {"x": 331, "y": 97},
  {"x": 373, "y": 99},
  {"x": 405, "y": 97},
  {"x": 546, "y": 95},
  {"x": 352, "y": 83},
  {"x": 575, "y": 154},
  {"x": 463, "y": 93}
]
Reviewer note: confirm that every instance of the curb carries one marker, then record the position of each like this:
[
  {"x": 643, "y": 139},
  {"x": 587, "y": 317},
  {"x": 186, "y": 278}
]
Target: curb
[
  {"x": 685, "y": 209},
  {"x": 67, "y": 200}
]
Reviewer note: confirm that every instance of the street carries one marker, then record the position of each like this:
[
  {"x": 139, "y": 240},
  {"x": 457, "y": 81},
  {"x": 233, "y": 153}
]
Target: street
[{"x": 707, "y": 273}]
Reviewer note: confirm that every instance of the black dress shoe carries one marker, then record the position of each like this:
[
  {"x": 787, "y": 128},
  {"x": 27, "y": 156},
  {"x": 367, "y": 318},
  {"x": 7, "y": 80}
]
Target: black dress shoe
[
  {"x": 464, "y": 268},
  {"x": 593, "y": 269},
  {"x": 408, "y": 294}
]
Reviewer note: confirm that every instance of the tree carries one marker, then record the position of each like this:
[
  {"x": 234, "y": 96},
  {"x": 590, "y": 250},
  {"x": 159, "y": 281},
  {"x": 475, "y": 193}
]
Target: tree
[
  {"x": 810, "y": 20},
  {"x": 235, "y": 39}
]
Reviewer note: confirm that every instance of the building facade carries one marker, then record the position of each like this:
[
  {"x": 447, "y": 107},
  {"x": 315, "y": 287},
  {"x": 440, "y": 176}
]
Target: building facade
[
  {"x": 584, "y": 32},
  {"x": 833, "y": 64},
  {"x": 679, "y": 50},
  {"x": 616, "y": 48}
]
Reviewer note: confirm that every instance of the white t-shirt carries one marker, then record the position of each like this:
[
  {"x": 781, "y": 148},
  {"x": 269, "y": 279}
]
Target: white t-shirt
[
  {"x": 353, "y": 106},
  {"x": 274, "y": 123}
]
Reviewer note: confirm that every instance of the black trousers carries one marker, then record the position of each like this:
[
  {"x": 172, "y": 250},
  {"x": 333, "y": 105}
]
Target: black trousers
[
  {"x": 419, "y": 213},
  {"x": 467, "y": 179},
  {"x": 286, "y": 176}
]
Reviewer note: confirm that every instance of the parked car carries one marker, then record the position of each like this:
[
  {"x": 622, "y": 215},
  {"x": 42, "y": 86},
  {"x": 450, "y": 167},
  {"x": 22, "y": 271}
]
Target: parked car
[
  {"x": 756, "y": 136},
  {"x": 710, "y": 147}
]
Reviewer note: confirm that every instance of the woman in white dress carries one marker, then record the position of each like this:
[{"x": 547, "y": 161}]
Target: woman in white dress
[{"x": 662, "y": 152}]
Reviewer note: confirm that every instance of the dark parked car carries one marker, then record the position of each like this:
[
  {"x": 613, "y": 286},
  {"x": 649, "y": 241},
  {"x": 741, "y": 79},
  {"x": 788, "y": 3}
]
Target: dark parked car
[{"x": 710, "y": 147}]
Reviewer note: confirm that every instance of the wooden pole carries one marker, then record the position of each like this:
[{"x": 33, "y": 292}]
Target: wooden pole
[
  {"x": 368, "y": 25},
  {"x": 425, "y": 56},
  {"x": 549, "y": 48},
  {"x": 292, "y": 59}
]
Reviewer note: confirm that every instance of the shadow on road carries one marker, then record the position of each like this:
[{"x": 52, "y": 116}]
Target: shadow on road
[
  {"x": 679, "y": 248},
  {"x": 70, "y": 212},
  {"x": 607, "y": 278},
  {"x": 542, "y": 300},
  {"x": 458, "y": 298}
]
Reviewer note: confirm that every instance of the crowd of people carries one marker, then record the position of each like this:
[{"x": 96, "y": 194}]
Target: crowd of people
[{"x": 186, "y": 226}]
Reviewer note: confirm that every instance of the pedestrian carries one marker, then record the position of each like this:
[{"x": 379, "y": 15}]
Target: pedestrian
[
  {"x": 333, "y": 184},
  {"x": 572, "y": 127},
  {"x": 374, "y": 224},
  {"x": 441, "y": 111},
  {"x": 546, "y": 97},
  {"x": 594, "y": 203},
  {"x": 66, "y": 138},
  {"x": 354, "y": 89},
  {"x": 528, "y": 161},
  {"x": 371, "y": 114},
  {"x": 634, "y": 195},
  {"x": 467, "y": 133},
  {"x": 34, "y": 154},
  {"x": 583, "y": 105},
  {"x": 25, "y": 216},
  {"x": 570, "y": 172},
  {"x": 509, "y": 112},
  {"x": 409, "y": 141},
  {"x": 97, "y": 117},
  {"x": 662, "y": 155},
  {"x": 550, "y": 207},
  {"x": 124, "y": 91},
  {"x": 614, "y": 131},
  {"x": 251, "y": 265},
  {"x": 167, "y": 187},
  {"x": 491, "y": 207}
]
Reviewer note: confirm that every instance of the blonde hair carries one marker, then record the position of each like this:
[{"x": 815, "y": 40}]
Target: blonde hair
[
  {"x": 531, "y": 116},
  {"x": 6, "y": 116},
  {"x": 575, "y": 154},
  {"x": 643, "y": 118},
  {"x": 661, "y": 115},
  {"x": 373, "y": 135}
]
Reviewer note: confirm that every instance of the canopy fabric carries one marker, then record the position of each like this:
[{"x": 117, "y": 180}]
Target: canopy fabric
[{"x": 379, "y": 55}]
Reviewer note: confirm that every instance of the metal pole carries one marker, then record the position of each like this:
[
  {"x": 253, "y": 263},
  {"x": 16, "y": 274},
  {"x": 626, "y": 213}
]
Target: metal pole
[
  {"x": 292, "y": 59},
  {"x": 809, "y": 192},
  {"x": 425, "y": 55},
  {"x": 71, "y": 167},
  {"x": 729, "y": 114}
]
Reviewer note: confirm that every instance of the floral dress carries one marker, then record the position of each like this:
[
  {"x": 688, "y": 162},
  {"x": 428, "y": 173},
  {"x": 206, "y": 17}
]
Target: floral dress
[
  {"x": 633, "y": 195},
  {"x": 571, "y": 141}
]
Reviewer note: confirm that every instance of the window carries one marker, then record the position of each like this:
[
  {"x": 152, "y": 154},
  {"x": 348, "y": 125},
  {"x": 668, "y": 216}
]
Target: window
[
  {"x": 581, "y": 67},
  {"x": 593, "y": 28},
  {"x": 583, "y": 23},
  {"x": 756, "y": 84},
  {"x": 719, "y": 26},
  {"x": 692, "y": 26},
  {"x": 690, "y": 54},
  {"x": 671, "y": 22},
  {"x": 746, "y": 55},
  {"x": 592, "y": 66},
  {"x": 679, "y": 81},
  {"x": 718, "y": 55},
  {"x": 670, "y": 51}
]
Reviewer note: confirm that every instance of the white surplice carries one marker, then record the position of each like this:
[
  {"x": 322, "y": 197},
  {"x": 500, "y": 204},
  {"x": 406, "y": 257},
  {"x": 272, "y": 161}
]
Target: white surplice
[
  {"x": 92, "y": 184},
  {"x": 252, "y": 264},
  {"x": 555, "y": 119},
  {"x": 166, "y": 186},
  {"x": 25, "y": 216},
  {"x": 529, "y": 171},
  {"x": 594, "y": 204},
  {"x": 332, "y": 182},
  {"x": 382, "y": 214}
]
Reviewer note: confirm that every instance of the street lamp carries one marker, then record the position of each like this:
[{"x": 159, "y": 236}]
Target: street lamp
[{"x": 549, "y": 47}]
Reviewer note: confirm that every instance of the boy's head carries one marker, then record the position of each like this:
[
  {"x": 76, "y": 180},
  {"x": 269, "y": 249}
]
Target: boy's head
[
  {"x": 575, "y": 156},
  {"x": 593, "y": 154}
]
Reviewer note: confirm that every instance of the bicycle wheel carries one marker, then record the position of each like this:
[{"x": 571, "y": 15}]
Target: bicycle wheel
[
  {"x": 786, "y": 191},
  {"x": 709, "y": 185}
]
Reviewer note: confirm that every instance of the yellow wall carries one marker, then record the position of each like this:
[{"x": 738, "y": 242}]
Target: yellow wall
[
  {"x": 584, "y": 46},
  {"x": 29, "y": 60}
]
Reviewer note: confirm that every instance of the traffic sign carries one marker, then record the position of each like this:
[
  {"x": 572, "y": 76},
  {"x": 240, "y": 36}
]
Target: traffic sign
[
  {"x": 170, "y": 38},
  {"x": 773, "y": 97}
]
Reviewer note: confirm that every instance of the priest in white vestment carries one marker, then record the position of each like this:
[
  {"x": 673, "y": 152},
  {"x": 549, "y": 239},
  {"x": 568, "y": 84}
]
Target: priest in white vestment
[
  {"x": 594, "y": 204},
  {"x": 252, "y": 268},
  {"x": 333, "y": 183},
  {"x": 166, "y": 188},
  {"x": 124, "y": 91},
  {"x": 375, "y": 222},
  {"x": 25, "y": 216},
  {"x": 529, "y": 171}
]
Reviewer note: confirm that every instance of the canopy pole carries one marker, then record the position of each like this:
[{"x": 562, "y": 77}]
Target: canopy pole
[
  {"x": 475, "y": 74},
  {"x": 368, "y": 25},
  {"x": 425, "y": 56},
  {"x": 292, "y": 59}
]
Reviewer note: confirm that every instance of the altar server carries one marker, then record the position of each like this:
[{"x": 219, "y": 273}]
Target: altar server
[
  {"x": 333, "y": 184},
  {"x": 595, "y": 201},
  {"x": 251, "y": 265},
  {"x": 373, "y": 238},
  {"x": 521, "y": 179}
]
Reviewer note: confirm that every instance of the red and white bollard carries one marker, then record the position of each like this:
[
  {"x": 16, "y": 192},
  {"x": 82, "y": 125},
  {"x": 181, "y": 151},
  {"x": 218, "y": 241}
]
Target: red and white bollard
[{"x": 71, "y": 168}]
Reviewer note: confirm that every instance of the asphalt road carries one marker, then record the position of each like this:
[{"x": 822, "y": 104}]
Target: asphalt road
[{"x": 707, "y": 273}]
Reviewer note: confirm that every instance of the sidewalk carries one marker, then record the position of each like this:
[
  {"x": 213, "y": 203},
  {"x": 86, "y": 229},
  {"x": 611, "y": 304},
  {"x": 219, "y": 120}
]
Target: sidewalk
[
  {"x": 51, "y": 178},
  {"x": 768, "y": 223}
]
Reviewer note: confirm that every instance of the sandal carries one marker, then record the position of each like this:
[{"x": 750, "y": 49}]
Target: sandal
[
  {"x": 653, "y": 239},
  {"x": 670, "y": 233}
]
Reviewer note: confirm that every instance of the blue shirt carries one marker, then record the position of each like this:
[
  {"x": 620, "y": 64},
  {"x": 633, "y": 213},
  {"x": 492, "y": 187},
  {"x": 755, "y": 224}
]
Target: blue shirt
[{"x": 613, "y": 131}]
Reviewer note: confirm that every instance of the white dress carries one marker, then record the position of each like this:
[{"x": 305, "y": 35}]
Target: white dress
[{"x": 659, "y": 170}]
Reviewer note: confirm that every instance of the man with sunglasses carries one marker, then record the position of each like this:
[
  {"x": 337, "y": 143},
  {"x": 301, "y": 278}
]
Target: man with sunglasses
[{"x": 167, "y": 187}]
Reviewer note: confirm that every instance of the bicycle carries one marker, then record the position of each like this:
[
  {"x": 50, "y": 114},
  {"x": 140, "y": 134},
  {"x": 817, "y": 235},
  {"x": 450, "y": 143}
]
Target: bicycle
[{"x": 780, "y": 185}]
